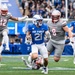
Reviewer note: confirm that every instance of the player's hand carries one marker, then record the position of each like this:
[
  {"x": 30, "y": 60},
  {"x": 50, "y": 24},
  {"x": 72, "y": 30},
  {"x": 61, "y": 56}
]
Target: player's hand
[
  {"x": 22, "y": 18},
  {"x": 25, "y": 17},
  {"x": 28, "y": 39}
]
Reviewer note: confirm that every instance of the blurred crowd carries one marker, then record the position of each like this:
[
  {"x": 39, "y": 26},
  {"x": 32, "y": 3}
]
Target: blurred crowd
[
  {"x": 45, "y": 7},
  {"x": 71, "y": 9}
]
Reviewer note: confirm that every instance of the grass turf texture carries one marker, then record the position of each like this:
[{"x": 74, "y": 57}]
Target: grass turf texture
[{"x": 13, "y": 65}]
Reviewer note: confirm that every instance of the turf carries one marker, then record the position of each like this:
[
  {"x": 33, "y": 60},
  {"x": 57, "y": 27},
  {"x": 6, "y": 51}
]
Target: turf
[{"x": 13, "y": 65}]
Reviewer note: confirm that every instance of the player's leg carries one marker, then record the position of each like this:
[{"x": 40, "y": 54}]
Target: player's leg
[
  {"x": 34, "y": 52},
  {"x": 58, "y": 51},
  {"x": 50, "y": 47},
  {"x": 26, "y": 63},
  {"x": 5, "y": 38},
  {"x": 32, "y": 56},
  {"x": 1, "y": 47},
  {"x": 44, "y": 53}
]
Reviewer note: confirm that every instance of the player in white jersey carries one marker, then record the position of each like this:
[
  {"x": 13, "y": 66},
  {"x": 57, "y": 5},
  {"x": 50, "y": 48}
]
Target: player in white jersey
[
  {"x": 57, "y": 28},
  {"x": 33, "y": 64},
  {"x": 4, "y": 17}
]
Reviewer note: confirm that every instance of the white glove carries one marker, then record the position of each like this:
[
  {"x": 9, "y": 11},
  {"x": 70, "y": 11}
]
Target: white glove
[
  {"x": 71, "y": 40},
  {"x": 28, "y": 41},
  {"x": 47, "y": 36},
  {"x": 22, "y": 18}
]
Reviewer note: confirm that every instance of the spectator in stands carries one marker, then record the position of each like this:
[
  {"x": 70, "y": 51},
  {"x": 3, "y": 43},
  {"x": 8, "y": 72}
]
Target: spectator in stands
[
  {"x": 71, "y": 1},
  {"x": 18, "y": 39},
  {"x": 33, "y": 11},
  {"x": 70, "y": 6},
  {"x": 71, "y": 9},
  {"x": 70, "y": 15},
  {"x": 41, "y": 11},
  {"x": 12, "y": 47},
  {"x": 24, "y": 5},
  {"x": 57, "y": 2},
  {"x": 73, "y": 15},
  {"x": 48, "y": 11},
  {"x": 31, "y": 2},
  {"x": 34, "y": 7},
  {"x": 63, "y": 12},
  {"x": 73, "y": 4},
  {"x": 57, "y": 31},
  {"x": 19, "y": 3},
  {"x": 4, "y": 17}
]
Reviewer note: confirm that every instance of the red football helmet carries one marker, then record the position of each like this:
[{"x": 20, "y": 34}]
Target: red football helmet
[
  {"x": 40, "y": 60},
  {"x": 38, "y": 63},
  {"x": 4, "y": 10},
  {"x": 56, "y": 16}
]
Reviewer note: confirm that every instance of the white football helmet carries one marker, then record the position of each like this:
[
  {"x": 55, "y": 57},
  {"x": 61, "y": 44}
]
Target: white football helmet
[
  {"x": 56, "y": 16},
  {"x": 37, "y": 20},
  {"x": 4, "y": 9}
]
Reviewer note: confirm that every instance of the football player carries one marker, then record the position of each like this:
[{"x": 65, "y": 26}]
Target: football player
[
  {"x": 57, "y": 28},
  {"x": 72, "y": 28},
  {"x": 33, "y": 64},
  {"x": 37, "y": 32},
  {"x": 4, "y": 17}
]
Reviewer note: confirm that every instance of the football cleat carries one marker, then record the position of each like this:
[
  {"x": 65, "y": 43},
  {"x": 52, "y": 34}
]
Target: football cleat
[{"x": 45, "y": 70}]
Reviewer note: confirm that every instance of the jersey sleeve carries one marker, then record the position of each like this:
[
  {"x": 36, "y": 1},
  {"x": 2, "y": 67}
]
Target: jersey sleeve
[
  {"x": 64, "y": 23},
  {"x": 66, "y": 34},
  {"x": 72, "y": 24},
  {"x": 29, "y": 27},
  {"x": 48, "y": 22},
  {"x": 9, "y": 15},
  {"x": 46, "y": 27}
]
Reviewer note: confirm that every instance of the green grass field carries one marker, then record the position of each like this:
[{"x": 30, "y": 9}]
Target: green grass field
[{"x": 13, "y": 65}]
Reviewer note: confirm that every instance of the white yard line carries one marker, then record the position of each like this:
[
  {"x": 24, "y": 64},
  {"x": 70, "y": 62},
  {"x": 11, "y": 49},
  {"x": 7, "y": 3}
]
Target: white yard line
[{"x": 52, "y": 68}]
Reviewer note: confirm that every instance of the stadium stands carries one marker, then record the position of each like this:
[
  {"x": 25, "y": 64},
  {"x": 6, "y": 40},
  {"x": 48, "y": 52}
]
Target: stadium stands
[{"x": 12, "y": 7}]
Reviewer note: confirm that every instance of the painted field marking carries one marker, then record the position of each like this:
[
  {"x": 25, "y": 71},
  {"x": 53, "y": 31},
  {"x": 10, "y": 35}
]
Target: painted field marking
[{"x": 53, "y": 68}]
